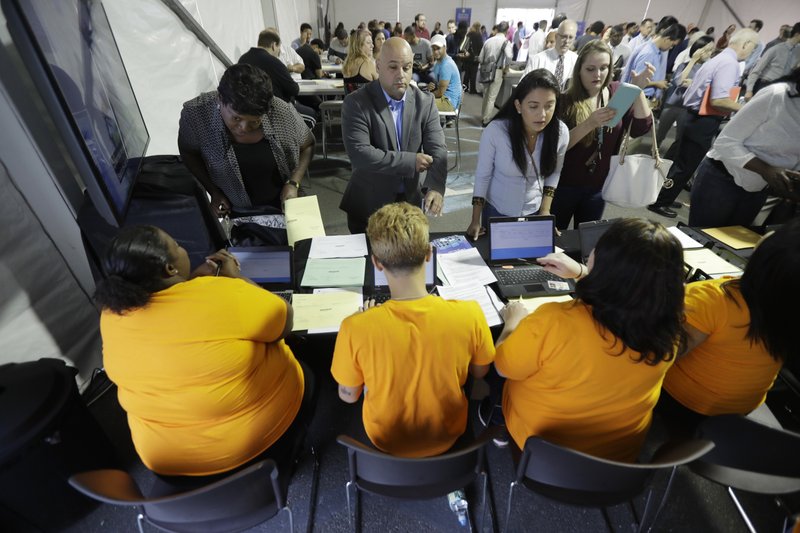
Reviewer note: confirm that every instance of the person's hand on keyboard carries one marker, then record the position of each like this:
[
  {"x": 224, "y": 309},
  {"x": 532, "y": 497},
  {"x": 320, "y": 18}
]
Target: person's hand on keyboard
[{"x": 561, "y": 265}]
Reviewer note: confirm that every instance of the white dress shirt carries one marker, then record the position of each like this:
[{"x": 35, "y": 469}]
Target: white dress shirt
[
  {"x": 767, "y": 127},
  {"x": 289, "y": 57},
  {"x": 549, "y": 59}
]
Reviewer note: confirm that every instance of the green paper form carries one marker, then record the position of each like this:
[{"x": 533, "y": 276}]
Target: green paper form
[{"x": 334, "y": 272}]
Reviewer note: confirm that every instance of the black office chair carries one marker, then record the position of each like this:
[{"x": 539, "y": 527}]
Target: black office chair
[
  {"x": 235, "y": 503},
  {"x": 413, "y": 478},
  {"x": 576, "y": 478},
  {"x": 750, "y": 456}
]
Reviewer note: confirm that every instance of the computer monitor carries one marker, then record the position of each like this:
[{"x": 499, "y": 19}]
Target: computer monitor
[{"x": 70, "y": 51}]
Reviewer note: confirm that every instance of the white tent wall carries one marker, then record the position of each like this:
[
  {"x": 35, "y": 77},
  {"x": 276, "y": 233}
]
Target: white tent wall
[
  {"x": 168, "y": 65},
  {"x": 45, "y": 278}
]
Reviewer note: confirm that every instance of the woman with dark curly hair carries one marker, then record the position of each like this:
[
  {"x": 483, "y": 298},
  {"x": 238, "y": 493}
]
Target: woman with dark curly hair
[
  {"x": 741, "y": 332},
  {"x": 247, "y": 148},
  {"x": 198, "y": 358},
  {"x": 586, "y": 374}
]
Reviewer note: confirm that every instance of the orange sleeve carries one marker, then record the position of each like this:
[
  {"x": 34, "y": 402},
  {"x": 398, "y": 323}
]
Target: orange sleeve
[
  {"x": 344, "y": 367},
  {"x": 704, "y": 306}
]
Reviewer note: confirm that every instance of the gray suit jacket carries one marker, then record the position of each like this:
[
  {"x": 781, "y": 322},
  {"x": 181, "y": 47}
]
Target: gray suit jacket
[{"x": 371, "y": 142}]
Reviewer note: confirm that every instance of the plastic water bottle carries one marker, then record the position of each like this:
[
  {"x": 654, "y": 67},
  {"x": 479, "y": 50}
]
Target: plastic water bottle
[{"x": 458, "y": 504}]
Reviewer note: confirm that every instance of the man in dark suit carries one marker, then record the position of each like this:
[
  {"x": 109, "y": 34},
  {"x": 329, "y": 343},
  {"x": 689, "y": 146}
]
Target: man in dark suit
[{"x": 385, "y": 170}]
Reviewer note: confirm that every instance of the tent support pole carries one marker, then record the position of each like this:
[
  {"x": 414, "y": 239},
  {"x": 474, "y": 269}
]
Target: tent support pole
[{"x": 191, "y": 24}]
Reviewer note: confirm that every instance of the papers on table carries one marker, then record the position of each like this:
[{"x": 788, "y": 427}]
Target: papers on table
[
  {"x": 325, "y": 310},
  {"x": 338, "y": 246},
  {"x": 485, "y": 297},
  {"x": 303, "y": 219},
  {"x": 737, "y": 237},
  {"x": 686, "y": 241},
  {"x": 334, "y": 272},
  {"x": 532, "y": 304},
  {"x": 709, "y": 262},
  {"x": 465, "y": 267}
]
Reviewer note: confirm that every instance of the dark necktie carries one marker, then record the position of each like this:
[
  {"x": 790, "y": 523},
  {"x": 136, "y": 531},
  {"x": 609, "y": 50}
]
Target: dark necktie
[{"x": 560, "y": 70}]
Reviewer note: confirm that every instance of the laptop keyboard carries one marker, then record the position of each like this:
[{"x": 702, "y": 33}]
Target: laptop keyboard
[
  {"x": 286, "y": 295},
  {"x": 524, "y": 276},
  {"x": 382, "y": 297}
]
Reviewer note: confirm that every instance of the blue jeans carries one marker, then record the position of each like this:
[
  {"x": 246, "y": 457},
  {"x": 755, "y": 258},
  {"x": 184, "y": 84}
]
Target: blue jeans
[
  {"x": 578, "y": 202},
  {"x": 718, "y": 201}
]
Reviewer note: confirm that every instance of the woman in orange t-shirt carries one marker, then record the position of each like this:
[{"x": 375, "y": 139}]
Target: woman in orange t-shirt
[
  {"x": 587, "y": 374},
  {"x": 741, "y": 332},
  {"x": 198, "y": 358}
]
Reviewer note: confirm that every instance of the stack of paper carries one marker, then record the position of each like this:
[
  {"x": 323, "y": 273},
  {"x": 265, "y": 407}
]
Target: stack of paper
[
  {"x": 709, "y": 262},
  {"x": 486, "y": 298},
  {"x": 324, "y": 311},
  {"x": 303, "y": 219},
  {"x": 464, "y": 267},
  {"x": 686, "y": 242}
]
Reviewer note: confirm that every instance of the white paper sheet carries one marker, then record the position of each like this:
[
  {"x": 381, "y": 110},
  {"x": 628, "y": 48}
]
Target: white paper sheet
[
  {"x": 709, "y": 262},
  {"x": 338, "y": 246},
  {"x": 483, "y": 295},
  {"x": 324, "y": 311},
  {"x": 686, "y": 241},
  {"x": 466, "y": 267}
]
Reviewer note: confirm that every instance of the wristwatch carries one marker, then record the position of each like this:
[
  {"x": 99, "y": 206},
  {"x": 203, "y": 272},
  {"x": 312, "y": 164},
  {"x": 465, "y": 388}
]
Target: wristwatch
[{"x": 293, "y": 183}]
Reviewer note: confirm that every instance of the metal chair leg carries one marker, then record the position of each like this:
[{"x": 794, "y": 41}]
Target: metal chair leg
[
  {"x": 324, "y": 136},
  {"x": 508, "y": 509},
  {"x": 458, "y": 142},
  {"x": 741, "y": 511},
  {"x": 483, "y": 501},
  {"x": 660, "y": 505},
  {"x": 349, "y": 507},
  {"x": 291, "y": 518}
]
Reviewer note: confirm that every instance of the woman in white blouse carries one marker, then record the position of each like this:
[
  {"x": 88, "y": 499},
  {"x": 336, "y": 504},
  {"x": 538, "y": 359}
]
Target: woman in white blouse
[
  {"x": 521, "y": 154},
  {"x": 755, "y": 155}
]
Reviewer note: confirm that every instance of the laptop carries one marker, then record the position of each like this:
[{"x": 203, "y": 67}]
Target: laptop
[
  {"x": 272, "y": 267},
  {"x": 514, "y": 245},
  {"x": 590, "y": 233},
  {"x": 380, "y": 285}
]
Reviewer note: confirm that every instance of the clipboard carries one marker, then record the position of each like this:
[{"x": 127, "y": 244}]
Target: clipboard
[{"x": 706, "y": 109}]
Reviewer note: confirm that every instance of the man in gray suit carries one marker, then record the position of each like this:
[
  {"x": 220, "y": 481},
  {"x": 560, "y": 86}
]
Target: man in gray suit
[{"x": 374, "y": 118}]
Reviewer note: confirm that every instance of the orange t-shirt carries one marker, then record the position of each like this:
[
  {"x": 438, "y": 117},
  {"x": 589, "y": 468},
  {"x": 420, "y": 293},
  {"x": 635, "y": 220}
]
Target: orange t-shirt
[
  {"x": 413, "y": 358},
  {"x": 204, "y": 383},
  {"x": 568, "y": 383},
  {"x": 726, "y": 373}
]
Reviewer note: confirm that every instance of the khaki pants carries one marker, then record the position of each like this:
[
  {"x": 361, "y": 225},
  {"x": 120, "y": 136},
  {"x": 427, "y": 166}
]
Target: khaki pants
[
  {"x": 443, "y": 104},
  {"x": 490, "y": 92}
]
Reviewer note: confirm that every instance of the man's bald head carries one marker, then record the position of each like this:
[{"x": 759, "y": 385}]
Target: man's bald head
[
  {"x": 565, "y": 36},
  {"x": 394, "y": 67}
]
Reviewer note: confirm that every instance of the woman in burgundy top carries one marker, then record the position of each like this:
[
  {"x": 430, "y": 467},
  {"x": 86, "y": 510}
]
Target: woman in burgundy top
[{"x": 591, "y": 143}]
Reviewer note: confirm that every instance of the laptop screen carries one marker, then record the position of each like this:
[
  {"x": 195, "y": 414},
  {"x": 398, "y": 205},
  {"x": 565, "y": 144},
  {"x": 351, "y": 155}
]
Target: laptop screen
[
  {"x": 430, "y": 274},
  {"x": 264, "y": 265},
  {"x": 590, "y": 233},
  {"x": 521, "y": 237}
]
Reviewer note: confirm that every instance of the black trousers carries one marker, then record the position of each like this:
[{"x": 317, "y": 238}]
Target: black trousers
[{"x": 698, "y": 135}]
